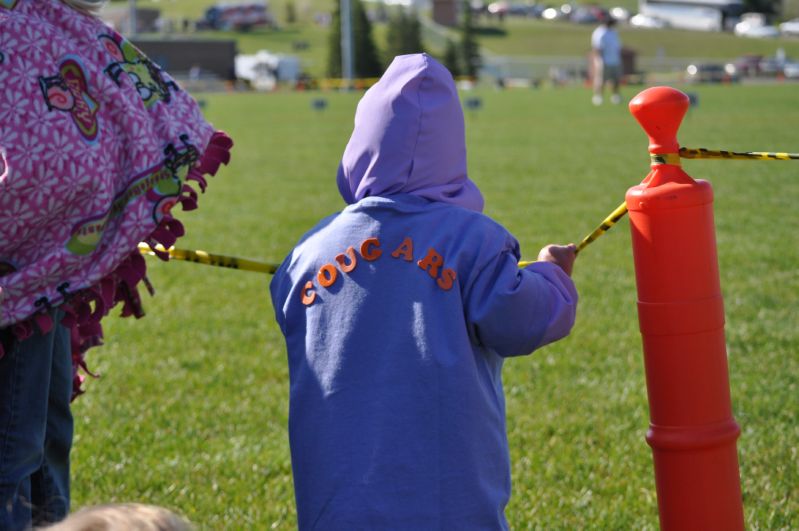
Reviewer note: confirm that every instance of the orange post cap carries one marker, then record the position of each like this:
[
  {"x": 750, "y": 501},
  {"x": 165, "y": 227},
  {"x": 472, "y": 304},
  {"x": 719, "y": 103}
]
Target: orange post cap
[{"x": 660, "y": 111}]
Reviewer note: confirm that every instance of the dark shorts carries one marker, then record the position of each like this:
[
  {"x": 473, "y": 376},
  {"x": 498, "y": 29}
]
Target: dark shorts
[{"x": 611, "y": 72}]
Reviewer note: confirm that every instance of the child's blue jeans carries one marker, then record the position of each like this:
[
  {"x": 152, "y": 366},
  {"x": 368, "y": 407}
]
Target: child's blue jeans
[{"x": 35, "y": 429}]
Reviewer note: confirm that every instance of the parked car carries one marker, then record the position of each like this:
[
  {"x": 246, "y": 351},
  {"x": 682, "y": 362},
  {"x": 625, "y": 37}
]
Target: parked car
[
  {"x": 498, "y": 9},
  {"x": 619, "y": 13},
  {"x": 745, "y": 66},
  {"x": 791, "y": 70},
  {"x": 790, "y": 27},
  {"x": 755, "y": 25},
  {"x": 771, "y": 66},
  {"x": 555, "y": 13},
  {"x": 710, "y": 73},
  {"x": 588, "y": 15},
  {"x": 646, "y": 21},
  {"x": 240, "y": 16},
  {"x": 520, "y": 9},
  {"x": 758, "y": 32}
]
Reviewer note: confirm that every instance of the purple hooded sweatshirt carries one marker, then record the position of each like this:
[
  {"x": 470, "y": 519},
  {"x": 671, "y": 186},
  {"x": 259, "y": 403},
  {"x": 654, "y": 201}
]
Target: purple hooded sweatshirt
[{"x": 398, "y": 313}]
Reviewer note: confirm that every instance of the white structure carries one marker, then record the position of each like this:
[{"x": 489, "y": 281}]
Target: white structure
[
  {"x": 264, "y": 70},
  {"x": 704, "y": 15},
  {"x": 754, "y": 25}
]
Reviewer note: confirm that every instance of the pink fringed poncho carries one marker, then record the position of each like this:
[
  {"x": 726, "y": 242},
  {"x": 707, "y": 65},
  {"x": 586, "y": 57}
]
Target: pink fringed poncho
[{"x": 97, "y": 145}]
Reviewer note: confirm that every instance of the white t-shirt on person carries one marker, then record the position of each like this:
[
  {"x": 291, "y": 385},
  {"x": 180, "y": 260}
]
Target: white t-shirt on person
[{"x": 606, "y": 41}]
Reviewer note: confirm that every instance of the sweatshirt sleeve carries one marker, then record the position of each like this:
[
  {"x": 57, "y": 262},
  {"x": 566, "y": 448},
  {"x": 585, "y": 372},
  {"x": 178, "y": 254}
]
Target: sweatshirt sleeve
[
  {"x": 514, "y": 311},
  {"x": 279, "y": 289}
]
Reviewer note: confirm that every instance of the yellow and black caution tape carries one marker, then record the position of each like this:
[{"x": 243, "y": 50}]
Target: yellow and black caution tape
[
  {"x": 232, "y": 262},
  {"x": 605, "y": 226},
  {"x": 202, "y": 257},
  {"x": 702, "y": 153},
  {"x": 674, "y": 158},
  {"x": 665, "y": 158}
]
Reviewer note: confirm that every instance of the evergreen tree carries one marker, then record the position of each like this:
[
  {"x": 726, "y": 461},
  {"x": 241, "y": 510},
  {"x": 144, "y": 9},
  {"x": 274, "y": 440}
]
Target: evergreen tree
[
  {"x": 762, "y": 6},
  {"x": 291, "y": 13},
  {"x": 470, "y": 50},
  {"x": 404, "y": 35},
  {"x": 380, "y": 14},
  {"x": 450, "y": 59},
  {"x": 413, "y": 39},
  {"x": 334, "y": 44},
  {"x": 364, "y": 51},
  {"x": 394, "y": 38}
]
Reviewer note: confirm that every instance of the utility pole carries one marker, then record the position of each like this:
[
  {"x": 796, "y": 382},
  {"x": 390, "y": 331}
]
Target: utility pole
[
  {"x": 132, "y": 18},
  {"x": 346, "y": 44}
]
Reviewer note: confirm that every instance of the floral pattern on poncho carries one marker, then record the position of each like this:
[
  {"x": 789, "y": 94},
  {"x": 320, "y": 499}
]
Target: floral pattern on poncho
[{"x": 97, "y": 144}]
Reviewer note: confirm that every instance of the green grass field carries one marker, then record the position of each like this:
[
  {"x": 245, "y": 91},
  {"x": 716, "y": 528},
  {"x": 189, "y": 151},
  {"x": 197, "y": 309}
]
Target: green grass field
[{"x": 190, "y": 411}]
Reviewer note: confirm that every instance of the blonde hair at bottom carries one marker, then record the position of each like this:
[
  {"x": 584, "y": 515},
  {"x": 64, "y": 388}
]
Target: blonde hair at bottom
[
  {"x": 87, "y": 6},
  {"x": 122, "y": 517}
]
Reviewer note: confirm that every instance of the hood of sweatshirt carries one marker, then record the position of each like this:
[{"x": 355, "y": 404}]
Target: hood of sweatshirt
[{"x": 409, "y": 138}]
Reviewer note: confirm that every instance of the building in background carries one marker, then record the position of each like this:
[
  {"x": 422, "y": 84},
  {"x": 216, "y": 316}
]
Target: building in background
[
  {"x": 445, "y": 12},
  {"x": 206, "y": 58},
  {"x": 704, "y": 15}
]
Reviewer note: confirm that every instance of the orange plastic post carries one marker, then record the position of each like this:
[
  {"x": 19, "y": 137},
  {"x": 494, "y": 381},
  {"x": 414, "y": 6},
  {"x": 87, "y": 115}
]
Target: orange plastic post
[{"x": 680, "y": 310}]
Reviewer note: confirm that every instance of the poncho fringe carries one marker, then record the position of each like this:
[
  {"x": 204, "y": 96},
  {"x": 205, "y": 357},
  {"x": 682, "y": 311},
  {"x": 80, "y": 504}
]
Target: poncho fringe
[{"x": 84, "y": 309}]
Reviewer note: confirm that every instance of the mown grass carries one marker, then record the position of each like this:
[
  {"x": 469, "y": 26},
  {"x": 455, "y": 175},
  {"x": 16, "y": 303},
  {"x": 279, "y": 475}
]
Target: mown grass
[{"x": 190, "y": 411}]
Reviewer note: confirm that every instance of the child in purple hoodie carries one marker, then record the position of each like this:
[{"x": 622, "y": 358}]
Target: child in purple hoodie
[{"x": 398, "y": 313}]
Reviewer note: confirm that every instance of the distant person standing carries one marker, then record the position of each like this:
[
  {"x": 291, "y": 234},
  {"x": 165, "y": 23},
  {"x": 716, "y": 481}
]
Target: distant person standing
[{"x": 606, "y": 51}]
